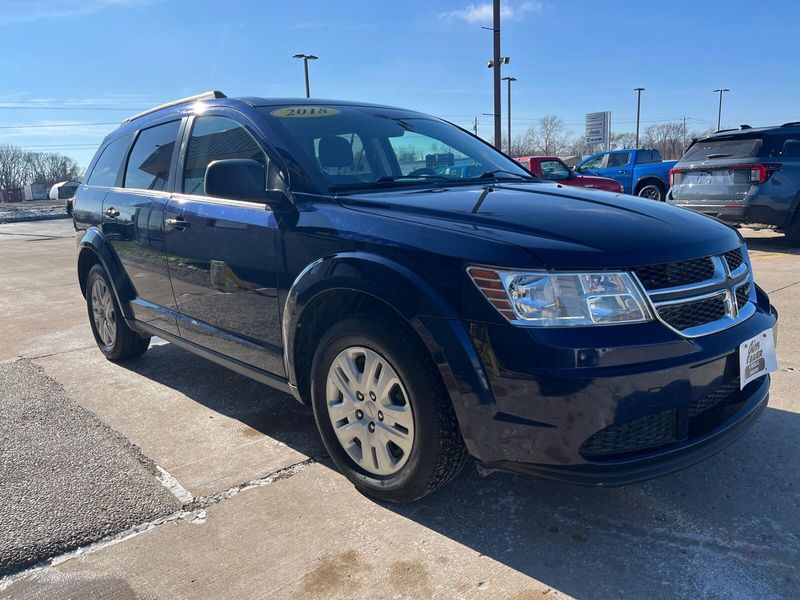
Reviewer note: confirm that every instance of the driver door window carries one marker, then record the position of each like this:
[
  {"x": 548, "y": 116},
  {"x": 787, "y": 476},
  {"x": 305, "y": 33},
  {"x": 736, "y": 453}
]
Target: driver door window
[{"x": 216, "y": 138}]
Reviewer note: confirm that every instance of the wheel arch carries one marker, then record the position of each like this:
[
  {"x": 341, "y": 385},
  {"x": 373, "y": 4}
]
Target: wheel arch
[
  {"x": 344, "y": 284},
  {"x": 94, "y": 248},
  {"x": 648, "y": 179}
]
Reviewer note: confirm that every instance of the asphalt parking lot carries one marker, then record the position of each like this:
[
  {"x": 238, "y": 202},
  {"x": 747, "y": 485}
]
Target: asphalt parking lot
[{"x": 171, "y": 477}]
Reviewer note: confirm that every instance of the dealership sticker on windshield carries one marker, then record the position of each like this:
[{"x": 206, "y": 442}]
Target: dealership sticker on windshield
[
  {"x": 757, "y": 357},
  {"x": 300, "y": 112}
]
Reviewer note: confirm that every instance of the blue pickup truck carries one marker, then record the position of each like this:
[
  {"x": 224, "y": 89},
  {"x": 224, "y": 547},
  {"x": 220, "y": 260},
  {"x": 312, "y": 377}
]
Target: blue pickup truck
[{"x": 641, "y": 172}]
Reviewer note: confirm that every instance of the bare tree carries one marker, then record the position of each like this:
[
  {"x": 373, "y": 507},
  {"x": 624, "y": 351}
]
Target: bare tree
[{"x": 19, "y": 167}]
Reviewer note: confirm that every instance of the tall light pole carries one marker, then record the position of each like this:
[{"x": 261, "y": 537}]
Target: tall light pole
[
  {"x": 306, "y": 58},
  {"x": 498, "y": 136},
  {"x": 719, "y": 112},
  {"x": 509, "y": 80},
  {"x": 638, "y": 91}
]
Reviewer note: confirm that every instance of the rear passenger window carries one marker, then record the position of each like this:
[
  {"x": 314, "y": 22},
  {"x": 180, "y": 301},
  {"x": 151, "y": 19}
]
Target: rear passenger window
[
  {"x": 216, "y": 138},
  {"x": 618, "y": 160},
  {"x": 150, "y": 159},
  {"x": 106, "y": 169}
]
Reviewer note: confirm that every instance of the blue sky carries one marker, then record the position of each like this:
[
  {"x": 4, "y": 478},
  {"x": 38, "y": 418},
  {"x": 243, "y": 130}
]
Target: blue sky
[{"x": 571, "y": 57}]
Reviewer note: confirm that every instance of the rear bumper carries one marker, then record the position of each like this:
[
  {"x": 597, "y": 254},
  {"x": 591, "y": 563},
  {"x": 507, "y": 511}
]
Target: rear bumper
[
  {"x": 741, "y": 213},
  {"x": 552, "y": 393}
]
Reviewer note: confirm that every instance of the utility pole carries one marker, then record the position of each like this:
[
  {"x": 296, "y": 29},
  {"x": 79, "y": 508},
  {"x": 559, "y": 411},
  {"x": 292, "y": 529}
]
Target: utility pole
[
  {"x": 509, "y": 80},
  {"x": 638, "y": 91},
  {"x": 306, "y": 58},
  {"x": 719, "y": 112},
  {"x": 498, "y": 136},
  {"x": 684, "y": 134},
  {"x": 475, "y": 126}
]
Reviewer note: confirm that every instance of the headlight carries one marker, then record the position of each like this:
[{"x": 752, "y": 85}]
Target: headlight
[{"x": 562, "y": 299}]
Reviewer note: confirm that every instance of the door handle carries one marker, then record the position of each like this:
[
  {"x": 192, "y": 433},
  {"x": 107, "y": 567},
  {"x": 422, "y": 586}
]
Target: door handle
[
  {"x": 622, "y": 172},
  {"x": 112, "y": 213},
  {"x": 177, "y": 223}
]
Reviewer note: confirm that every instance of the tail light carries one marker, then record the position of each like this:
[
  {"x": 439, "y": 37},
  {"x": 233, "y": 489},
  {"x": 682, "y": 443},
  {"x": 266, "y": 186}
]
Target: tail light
[{"x": 672, "y": 172}]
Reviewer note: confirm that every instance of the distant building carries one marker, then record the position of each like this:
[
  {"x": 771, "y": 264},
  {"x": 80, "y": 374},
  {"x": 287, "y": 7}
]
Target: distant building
[
  {"x": 64, "y": 190},
  {"x": 35, "y": 191}
]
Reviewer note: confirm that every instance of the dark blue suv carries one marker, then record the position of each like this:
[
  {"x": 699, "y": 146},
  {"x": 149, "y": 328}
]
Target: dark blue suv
[{"x": 425, "y": 295}]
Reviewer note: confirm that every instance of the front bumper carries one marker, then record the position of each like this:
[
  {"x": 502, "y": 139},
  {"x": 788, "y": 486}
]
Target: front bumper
[{"x": 553, "y": 393}]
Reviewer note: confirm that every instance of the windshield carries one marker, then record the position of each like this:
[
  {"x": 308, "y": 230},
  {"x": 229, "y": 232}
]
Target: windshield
[
  {"x": 347, "y": 148},
  {"x": 721, "y": 148}
]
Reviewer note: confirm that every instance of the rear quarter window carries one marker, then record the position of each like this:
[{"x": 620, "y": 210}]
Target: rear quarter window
[
  {"x": 730, "y": 148},
  {"x": 107, "y": 167}
]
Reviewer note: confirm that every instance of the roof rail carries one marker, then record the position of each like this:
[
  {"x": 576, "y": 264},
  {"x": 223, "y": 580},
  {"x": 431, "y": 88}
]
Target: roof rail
[
  {"x": 204, "y": 96},
  {"x": 791, "y": 124}
]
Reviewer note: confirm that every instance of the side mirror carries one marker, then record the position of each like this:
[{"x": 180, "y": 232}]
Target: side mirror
[{"x": 240, "y": 179}]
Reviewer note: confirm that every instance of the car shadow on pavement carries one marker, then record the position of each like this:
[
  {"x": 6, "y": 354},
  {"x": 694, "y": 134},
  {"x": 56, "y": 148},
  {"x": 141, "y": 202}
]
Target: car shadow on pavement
[
  {"x": 262, "y": 408},
  {"x": 727, "y": 527},
  {"x": 772, "y": 243}
]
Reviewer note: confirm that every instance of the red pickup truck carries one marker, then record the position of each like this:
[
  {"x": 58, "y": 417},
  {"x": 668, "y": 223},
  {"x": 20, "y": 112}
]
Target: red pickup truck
[{"x": 554, "y": 169}]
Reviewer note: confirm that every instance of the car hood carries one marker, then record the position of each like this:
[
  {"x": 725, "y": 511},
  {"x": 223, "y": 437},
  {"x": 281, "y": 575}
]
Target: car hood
[{"x": 561, "y": 227}]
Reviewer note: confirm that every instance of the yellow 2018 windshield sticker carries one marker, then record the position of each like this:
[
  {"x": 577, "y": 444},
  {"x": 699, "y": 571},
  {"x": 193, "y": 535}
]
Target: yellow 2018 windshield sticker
[{"x": 297, "y": 112}]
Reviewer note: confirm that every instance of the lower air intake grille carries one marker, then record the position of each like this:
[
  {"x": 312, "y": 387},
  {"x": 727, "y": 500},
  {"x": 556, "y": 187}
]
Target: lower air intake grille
[
  {"x": 692, "y": 314},
  {"x": 644, "y": 432},
  {"x": 711, "y": 400}
]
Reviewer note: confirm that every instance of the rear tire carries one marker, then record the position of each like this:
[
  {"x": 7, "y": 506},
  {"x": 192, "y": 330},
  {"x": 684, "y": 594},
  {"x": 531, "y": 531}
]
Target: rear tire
[
  {"x": 115, "y": 339},
  {"x": 652, "y": 191},
  {"x": 367, "y": 410},
  {"x": 792, "y": 232}
]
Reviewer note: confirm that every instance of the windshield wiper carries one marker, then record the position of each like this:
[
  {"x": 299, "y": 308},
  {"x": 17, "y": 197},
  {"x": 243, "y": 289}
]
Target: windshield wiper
[
  {"x": 424, "y": 176},
  {"x": 721, "y": 155},
  {"x": 495, "y": 172}
]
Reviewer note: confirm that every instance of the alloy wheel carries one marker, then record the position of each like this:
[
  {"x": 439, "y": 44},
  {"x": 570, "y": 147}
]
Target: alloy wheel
[
  {"x": 370, "y": 411},
  {"x": 650, "y": 192},
  {"x": 105, "y": 319}
]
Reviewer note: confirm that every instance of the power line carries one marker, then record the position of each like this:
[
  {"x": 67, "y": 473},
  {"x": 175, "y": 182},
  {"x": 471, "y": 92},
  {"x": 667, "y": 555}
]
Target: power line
[
  {"x": 40, "y": 126},
  {"x": 52, "y": 107}
]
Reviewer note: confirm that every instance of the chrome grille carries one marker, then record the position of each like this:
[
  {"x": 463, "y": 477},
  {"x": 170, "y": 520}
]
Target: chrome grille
[
  {"x": 734, "y": 258},
  {"x": 700, "y": 296},
  {"x": 693, "y": 314},
  {"x": 742, "y": 295},
  {"x": 675, "y": 274}
]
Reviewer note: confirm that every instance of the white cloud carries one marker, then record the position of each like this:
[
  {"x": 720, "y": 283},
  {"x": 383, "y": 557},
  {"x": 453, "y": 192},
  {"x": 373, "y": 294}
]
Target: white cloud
[
  {"x": 482, "y": 13},
  {"x": 25, "y": 11}
]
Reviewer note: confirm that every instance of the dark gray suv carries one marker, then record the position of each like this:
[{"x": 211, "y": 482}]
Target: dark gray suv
[{"x": 746, "y": 176}]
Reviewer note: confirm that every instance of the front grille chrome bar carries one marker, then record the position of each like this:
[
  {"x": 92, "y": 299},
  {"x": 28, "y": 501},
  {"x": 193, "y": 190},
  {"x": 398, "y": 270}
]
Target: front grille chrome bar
[{"x": 723, "y": 284}]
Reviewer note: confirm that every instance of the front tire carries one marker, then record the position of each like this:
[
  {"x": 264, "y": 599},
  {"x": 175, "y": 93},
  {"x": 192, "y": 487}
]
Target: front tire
[
  {"x": 382, "y": 410},
  {"x": 115, "y": 339}
]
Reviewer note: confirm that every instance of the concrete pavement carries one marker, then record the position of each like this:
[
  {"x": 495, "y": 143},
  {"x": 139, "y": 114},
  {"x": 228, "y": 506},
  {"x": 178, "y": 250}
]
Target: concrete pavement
[{"x": 267, "y": 516}]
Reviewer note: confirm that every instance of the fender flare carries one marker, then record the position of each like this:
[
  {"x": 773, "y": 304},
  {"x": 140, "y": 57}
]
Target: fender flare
[
  {"x": 95, "y": 242},
  {"x": 430, "y": 315},
  {"x": 650, "y": 176}
]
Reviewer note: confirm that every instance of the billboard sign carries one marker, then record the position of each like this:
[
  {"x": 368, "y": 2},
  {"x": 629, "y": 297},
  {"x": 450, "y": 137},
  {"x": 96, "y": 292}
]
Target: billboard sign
[{"x": 598, "y": 127}]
